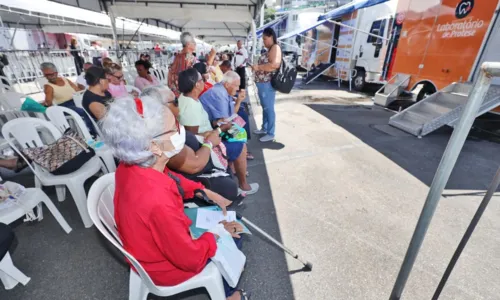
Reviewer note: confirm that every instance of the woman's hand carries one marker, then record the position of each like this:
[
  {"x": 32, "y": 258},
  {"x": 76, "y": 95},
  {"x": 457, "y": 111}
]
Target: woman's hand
[
  {"x": 219, "y": 200},
  {"x": 233, "y": 228},
  {"x": 213, "y": 137}
]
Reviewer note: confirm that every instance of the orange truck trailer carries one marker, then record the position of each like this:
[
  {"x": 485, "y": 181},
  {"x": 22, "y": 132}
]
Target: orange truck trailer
[{"x": 437, "y": 42}]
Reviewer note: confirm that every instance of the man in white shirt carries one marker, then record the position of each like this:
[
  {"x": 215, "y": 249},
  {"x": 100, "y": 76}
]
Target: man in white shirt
[
  {"x": 240, "y": 61},
  {"x": 80, "y": 80}
]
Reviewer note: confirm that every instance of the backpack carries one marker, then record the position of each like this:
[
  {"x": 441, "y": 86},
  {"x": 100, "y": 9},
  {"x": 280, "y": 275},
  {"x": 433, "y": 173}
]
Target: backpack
[{"x": 284, "y": 78}]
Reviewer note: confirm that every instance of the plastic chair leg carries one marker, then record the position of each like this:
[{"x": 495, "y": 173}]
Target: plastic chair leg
[
  {"x": 108, "y": 161},
  {"x": 78, "y": 193},
  {"x": 137, "y": 289},
  {"x": 215, "y": 288},
  {"x": 55, "y": 212},
  {"x": 10, "y": 275},
  {"x": 61, "y": 192}
]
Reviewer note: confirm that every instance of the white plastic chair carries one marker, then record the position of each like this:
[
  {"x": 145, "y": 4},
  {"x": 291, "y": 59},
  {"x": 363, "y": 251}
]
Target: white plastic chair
[
  {"x": 131, "y": 88},
  {"x": 10, "y": 275},
  {"x": 78, "y": 97},
  {"x": 101, "y": 210},
  {"x": 33, "y": 197},
  {"x": 23, "y": 131},
  {"x": 57, "y": 116}
]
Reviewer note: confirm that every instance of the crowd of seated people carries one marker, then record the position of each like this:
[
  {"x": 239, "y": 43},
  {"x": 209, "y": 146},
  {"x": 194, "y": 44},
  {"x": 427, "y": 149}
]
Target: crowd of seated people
[{"x": 170, "y": 146}]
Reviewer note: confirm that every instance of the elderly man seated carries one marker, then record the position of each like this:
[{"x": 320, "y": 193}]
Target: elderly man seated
[
  {"x": 148, "y": 199},
  {"x": 220, "y": 103},
  {"x": 194, "y": 117}
]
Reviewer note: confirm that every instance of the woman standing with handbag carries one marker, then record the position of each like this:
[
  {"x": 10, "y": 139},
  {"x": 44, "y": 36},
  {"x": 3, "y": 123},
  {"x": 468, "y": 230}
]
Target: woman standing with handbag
[{"x": 268, "y": 63}]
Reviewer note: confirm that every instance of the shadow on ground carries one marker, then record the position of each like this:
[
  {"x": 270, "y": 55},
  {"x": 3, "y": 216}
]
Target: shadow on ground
[
  {"x": 479, "y": 159},
  {"x": 83, "y": 265}
]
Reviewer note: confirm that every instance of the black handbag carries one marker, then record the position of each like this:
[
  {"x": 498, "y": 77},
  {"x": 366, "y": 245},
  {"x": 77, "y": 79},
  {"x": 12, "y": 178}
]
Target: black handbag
[{"x": 284, "y": 78}]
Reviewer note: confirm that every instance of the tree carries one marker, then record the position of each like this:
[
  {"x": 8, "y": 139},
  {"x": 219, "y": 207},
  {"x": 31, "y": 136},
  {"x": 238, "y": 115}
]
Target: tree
[{"x": 269, "y": 15}]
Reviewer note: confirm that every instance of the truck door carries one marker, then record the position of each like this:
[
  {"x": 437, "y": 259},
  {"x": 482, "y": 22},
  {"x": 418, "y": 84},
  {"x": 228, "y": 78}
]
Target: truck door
[
  {"x": 371, "y": 50},
  {"x": 455, "y": 40}
]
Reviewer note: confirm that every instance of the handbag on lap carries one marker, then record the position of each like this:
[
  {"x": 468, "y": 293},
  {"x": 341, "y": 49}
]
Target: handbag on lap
[{"x": 64, "y": 156}]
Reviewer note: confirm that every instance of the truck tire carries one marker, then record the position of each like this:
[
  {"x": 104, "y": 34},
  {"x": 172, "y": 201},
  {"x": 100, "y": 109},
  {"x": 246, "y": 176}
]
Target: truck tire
[
  {"x": 359, "y": 82},
  {"x": 425, "y": 92}
]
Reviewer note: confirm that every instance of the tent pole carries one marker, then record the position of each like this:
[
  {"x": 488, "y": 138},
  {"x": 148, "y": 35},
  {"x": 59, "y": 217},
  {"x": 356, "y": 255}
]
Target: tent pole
[
  {"x": 115, "y": 34},
  {"x": 448, "y": 161},
  {"x": 254, "y": 41}
]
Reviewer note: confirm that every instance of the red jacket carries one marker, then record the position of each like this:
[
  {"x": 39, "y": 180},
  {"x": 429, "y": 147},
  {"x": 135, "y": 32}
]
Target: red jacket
[
  {"x": 149, "y": 215},
  {"x": 206, "y": 87}
]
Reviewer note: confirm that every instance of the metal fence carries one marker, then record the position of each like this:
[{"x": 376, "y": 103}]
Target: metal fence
[{"x": 24, "y": 72}]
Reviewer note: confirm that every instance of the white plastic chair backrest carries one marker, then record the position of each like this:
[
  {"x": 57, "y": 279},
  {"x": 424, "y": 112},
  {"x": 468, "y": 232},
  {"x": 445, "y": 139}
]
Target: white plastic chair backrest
[
  {"x": 131, "y": 88},
  {"x": 96, "y": 126},
  {"x": 57, "y": 117},
  {"x": 24, "y": 131},
  {"x": 3, "y": 78},
  {"x": 78, "y": 97},
  {"x": 101, "y": 210},
  {"x": 11, "y": 100}
]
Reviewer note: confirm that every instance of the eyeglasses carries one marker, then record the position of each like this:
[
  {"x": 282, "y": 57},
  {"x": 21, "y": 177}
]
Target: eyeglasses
[
  {"x": 117, "y": 77},
  {"x": 50, "y": 74},
  {"x": 178, "y": 130}
]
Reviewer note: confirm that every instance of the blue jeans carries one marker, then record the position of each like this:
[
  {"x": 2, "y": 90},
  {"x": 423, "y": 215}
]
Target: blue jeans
[{"x": 267, "y": 95}]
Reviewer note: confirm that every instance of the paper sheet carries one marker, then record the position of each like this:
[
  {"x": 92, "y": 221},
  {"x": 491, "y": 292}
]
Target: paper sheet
[{"x": 208, "y": 219}]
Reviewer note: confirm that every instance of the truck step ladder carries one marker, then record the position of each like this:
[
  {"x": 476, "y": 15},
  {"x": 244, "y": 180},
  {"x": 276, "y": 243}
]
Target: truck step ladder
[
  {"x": 322, "y": 68},
  {"x": 391, "y": 90},
  {"x": 442, "y": 108}
]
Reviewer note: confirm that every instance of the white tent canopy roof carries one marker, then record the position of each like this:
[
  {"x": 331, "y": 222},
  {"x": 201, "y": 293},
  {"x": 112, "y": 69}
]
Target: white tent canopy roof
[
  {"x": 58, "y": 18},
  {"x": 220, "y": 21}
]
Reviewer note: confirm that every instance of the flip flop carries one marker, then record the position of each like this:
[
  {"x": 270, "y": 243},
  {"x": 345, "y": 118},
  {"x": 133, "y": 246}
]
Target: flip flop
[{"x": 250, "y": 156}]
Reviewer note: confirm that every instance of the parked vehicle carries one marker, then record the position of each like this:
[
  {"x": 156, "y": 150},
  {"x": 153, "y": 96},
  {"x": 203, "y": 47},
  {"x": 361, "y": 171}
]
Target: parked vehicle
[{"x": 433, "y": 46}]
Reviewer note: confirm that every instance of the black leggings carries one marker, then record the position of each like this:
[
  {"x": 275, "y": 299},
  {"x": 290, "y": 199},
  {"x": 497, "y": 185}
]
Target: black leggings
[{"x": 6, "y": 239}]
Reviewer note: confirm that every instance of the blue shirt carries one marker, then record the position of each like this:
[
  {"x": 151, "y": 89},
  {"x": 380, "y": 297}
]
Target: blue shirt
[{"x": 217, "y": 102}]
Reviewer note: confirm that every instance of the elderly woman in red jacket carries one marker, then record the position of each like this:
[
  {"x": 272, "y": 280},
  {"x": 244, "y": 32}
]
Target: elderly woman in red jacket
[{"x": 149, "y": 210}]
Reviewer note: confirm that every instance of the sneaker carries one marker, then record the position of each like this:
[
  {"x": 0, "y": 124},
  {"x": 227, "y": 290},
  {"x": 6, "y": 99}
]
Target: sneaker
[
  {"x": 267, "y": 138},
  {"x": 254, "y": 188},
  {"x": 259, "y": 131}
]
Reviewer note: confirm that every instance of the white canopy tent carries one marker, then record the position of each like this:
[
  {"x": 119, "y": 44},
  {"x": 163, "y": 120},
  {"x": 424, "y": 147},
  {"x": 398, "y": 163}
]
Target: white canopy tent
[
  {"x": 220, "y": 21},
  {"x": 59, "y": 18}
]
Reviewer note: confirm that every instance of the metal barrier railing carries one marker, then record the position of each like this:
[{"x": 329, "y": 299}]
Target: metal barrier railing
[{"x": 23, "y": 69}]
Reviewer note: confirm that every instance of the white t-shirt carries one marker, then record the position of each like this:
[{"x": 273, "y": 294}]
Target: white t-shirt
[
  {"x": 81, "y": 80},
  {"x": 192, "y": 114},
  {"x": 239, "y": 57}
]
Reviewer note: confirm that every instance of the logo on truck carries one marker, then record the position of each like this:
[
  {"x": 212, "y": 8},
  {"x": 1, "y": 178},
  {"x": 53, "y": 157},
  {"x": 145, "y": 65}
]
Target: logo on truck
[{"x": 464, "y": 8}]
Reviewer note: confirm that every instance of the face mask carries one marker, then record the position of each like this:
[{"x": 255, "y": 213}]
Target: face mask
[{"x": 178, "y": 140}]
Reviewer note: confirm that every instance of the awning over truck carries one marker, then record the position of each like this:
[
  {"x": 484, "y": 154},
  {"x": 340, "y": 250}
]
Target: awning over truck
[
  {"x": 273, "y": 23},
  {"x": 349, "y": 8},
  {"x": 300, "y": 30}
]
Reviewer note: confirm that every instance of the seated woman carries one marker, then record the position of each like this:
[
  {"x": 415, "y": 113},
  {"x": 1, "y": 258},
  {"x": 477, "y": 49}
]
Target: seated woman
[
  {"x": 149, "y": 209},
  {"x": 96, "y": 96},
  {"x": 144, "y": 79},
  {"x": 59, "y": 90},
  {"x": 116, "y": 86},
  {"x": 195, "y": 160},
  {"x": 194, "y": 117},
  {"x": 202, "y": 69}
]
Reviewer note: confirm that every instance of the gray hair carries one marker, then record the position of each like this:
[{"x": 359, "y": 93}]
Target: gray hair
[
  {"x": 160, "y": 93},
  {"x": 230, "y": 76},
  {"x": 128, "y": 134},
  {"x": 186, "y": 37},
  {"x": 48, "y": 65}
]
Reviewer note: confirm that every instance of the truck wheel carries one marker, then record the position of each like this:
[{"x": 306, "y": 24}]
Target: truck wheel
[
  {"x": 359, "y": 80},
  {"x": 425, "y": 92}
]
